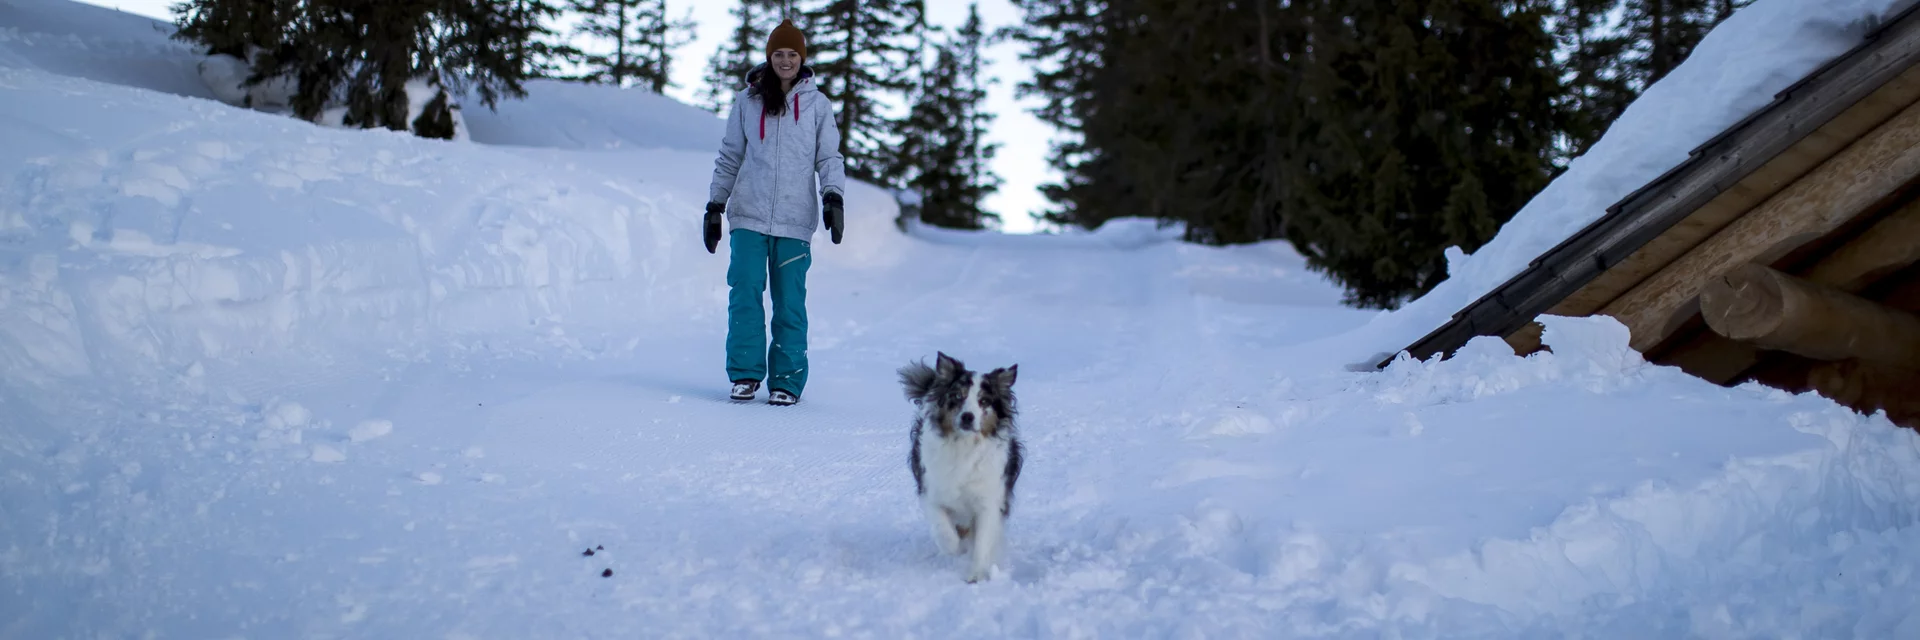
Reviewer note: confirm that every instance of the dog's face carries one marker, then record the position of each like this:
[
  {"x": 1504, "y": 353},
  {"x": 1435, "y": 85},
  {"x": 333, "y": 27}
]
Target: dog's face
[{"x": 963, "y": 401}]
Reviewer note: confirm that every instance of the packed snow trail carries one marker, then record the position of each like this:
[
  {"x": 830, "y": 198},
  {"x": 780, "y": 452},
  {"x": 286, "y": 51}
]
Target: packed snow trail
[{"x": 265, "y": 379}]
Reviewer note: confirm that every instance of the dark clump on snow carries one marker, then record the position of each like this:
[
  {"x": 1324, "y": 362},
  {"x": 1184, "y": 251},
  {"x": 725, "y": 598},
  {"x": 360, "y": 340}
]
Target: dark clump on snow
[{"x": 606, "y": 574}]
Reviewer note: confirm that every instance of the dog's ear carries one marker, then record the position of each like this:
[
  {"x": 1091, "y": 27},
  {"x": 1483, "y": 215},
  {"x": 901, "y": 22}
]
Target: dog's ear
[
  {"x": 917, "y": 378},
  {"x": 1002, "y": 379},
  {"x": 949, "y": 368}
]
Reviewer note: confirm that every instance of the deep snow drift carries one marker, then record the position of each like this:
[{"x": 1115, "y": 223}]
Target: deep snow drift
[{"x": 266, "y": 379}]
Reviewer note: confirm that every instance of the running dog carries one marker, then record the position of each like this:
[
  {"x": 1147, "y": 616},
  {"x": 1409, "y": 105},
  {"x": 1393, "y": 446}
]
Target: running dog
[{"x": 966, "y": 456}]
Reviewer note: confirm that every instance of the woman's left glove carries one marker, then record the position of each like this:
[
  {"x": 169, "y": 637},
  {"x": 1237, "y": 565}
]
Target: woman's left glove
[
  {"x": 835, "y": 213},
  {"x": 712, "y": 225}
]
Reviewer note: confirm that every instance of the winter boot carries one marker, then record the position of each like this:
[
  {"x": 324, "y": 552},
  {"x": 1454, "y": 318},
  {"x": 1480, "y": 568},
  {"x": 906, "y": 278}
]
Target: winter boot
[
  {"x": 744, "y": 390},
  {"x": 781, "y": 398}
]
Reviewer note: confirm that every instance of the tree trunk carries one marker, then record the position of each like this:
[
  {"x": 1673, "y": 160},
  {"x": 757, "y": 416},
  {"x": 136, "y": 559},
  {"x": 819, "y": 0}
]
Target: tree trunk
[
  {"x": 1662, "y": 49},
  {"x": 620, "y": 49}
]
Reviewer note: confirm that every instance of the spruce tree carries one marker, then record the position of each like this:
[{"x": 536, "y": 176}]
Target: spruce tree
[
  {"x": 641, "y": 37},
  {"x": 976, "y": 153},
  {"x": 860, "y": 51},
  {"x": 362, "y": 54},
  {"x": 746, "y": 47},
  {"x": 911, "y": 152},
  {"x": 1066, "y": 46},
  {"x": 947, "y": 128},
  {"x": 1600, "y": 84},
  {"x": 1665, "y": 31},
  {"x": 1614, "y": 49},
  {"x": 1427, "y": 125},
  {"x": 544, "y": 54},
  {"x": 235, "y": 27}
]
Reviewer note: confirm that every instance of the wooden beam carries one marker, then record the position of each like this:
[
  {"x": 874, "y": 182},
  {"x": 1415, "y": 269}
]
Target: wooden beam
[
  {"x": 1774, "y": 310},
  {"x": 1891, "y": 244},
  {"x": 1846, "y": 185}
]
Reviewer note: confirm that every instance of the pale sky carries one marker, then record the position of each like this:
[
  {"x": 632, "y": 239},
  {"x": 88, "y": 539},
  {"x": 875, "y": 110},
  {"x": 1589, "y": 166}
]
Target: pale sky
[{"x": 1022, "y": 159}]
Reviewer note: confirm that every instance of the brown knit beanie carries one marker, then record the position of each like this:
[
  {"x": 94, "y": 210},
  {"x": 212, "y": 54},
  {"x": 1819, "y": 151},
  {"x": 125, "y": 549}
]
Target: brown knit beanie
[{"x": 787, "y": 36}]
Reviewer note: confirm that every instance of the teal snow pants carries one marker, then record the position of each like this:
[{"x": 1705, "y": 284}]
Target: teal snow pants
[{"x": 760, "y": 262}]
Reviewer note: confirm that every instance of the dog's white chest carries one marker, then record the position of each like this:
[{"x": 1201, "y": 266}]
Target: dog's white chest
[{"x": 965, "y": 469}]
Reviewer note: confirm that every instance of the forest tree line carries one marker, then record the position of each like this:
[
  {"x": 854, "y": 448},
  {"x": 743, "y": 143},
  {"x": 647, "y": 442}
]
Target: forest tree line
[{"x": 1369, "y": 135}]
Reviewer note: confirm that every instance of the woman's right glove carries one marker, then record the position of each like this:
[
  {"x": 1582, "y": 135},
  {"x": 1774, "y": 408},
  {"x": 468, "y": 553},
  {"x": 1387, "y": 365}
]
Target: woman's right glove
[
  {"x": 835, "y": 213},
  {"x": 712, "y": 225}
]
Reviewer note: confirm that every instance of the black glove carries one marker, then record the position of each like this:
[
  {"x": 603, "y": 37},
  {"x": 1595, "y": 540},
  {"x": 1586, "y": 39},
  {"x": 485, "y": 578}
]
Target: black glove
[
  {"x": 835, "y": 214},
  {"x": 714, "y": 209}
]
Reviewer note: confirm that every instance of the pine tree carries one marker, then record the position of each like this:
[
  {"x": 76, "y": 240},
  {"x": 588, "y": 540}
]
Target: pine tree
[
  {"x": 948, "y": 162},
  {"x": 544, "y": 54},
  {"x": 1600, "y": 83},
  {"x": 235, "y": 27},
  {"x": 1614, "y": 49},
  {"x": 860, "y": 51},
  {"x": 910, "y": 154},
  {"x": 746, "y": 47},
  {"x": 1066, "y": 45},
  {"x": 642, "y": 39},
  {"x": 363, "y": 54},
  {"x": 1428, "y": 125},
  {"x": 976, "y": 153},
  {"x": 1665, "y": 31}
]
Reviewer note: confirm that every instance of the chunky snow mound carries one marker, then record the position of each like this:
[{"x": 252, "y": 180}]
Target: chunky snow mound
[
  {"x": 1735, "y": 70},
  {"x": 268, "y": 379},
  {"x": 564, "y": 115}
]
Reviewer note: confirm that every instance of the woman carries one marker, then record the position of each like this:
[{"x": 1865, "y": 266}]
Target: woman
[{"x": 780, "y": 136}]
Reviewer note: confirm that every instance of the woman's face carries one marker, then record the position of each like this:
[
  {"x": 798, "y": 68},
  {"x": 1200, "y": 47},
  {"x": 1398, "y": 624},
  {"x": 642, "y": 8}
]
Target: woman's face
[{"x": 786, "y": 64}]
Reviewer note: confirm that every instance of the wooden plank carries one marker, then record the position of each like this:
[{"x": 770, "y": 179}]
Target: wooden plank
[
  {"x": 1745, "y": 147},
  {"x": 1845, "y": 186},
  {"x": 1764, "y": 182},
  {"x": 1773, "y": 310},
  {"x": 1891, "y": 244}
]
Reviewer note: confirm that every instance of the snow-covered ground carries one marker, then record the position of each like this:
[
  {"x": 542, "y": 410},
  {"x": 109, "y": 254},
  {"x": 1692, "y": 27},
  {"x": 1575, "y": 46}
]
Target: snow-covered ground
[{"x": 265, "y": 379}]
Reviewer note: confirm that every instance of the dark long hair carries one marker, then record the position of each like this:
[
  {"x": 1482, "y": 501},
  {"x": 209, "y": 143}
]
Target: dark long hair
[{"x": 766, "y": 84}]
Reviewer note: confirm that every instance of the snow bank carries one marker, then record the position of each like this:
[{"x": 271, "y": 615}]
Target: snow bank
[
  {"x": 1119, "y": 233},
  {"x": 96, "y": 43},
  {"x": 1735, "y": 70},
  {"x": 564, "y": 115},
  {"x": 1749, "y": 497}
]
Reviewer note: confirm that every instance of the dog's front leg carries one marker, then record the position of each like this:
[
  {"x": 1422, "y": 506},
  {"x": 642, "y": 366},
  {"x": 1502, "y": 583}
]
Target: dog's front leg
[
  {"x": 944, "y": 534},
  {"x": 988, "y": 533}
]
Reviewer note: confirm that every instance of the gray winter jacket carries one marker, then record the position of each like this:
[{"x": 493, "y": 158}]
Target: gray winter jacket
[{"x": 767, "y": 166}]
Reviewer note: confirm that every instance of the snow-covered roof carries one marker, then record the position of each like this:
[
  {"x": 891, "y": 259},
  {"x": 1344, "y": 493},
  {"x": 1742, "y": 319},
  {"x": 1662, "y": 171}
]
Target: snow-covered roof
[{"x": 1756, "y": 87}]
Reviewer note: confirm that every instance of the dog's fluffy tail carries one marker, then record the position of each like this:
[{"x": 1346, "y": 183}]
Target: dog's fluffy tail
[{"x": 918, "y": 380}]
